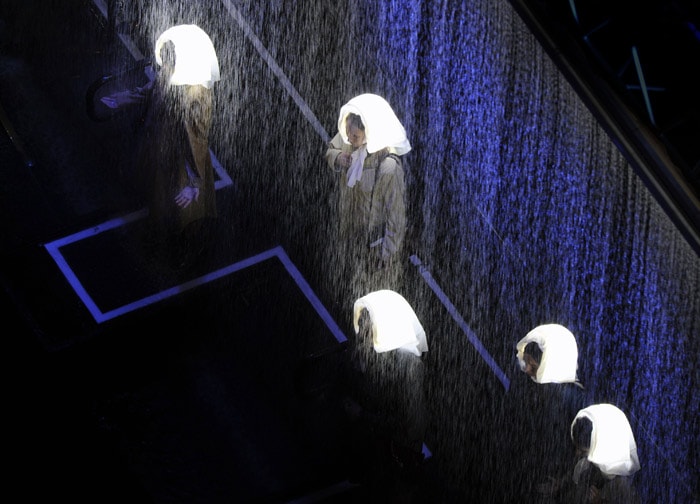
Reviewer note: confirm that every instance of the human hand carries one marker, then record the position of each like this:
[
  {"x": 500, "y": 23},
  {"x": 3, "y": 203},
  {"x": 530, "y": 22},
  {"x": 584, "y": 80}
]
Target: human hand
[
  {"x": 186, "y": 196},
  {"x": 343, "y": 160},
  {"x": 110, "y": 102},
  {"x": 116, "y": 100}
]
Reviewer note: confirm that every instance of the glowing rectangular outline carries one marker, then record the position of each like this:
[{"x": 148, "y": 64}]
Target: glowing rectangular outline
[
  {"x": 99, "y": 316},
  {"x": 53, "y": 249}
]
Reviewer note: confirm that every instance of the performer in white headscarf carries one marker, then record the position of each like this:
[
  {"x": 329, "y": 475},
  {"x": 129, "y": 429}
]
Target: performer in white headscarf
[
  {"x": 545, "y": 405},
  {"x": 384, "y": 391},
  {"x": 366, "y": 153},
  {"x": 174, "y": 167},
  {"x": 612, "y": 446},
  {"x": 603, "y": 435},
  {"x": 559, "y": 360},
  {"x": 394, "y": 324},
  {"x": 382, "y": 130}
]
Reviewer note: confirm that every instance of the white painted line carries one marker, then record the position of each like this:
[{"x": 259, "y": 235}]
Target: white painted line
[
  {"x": 473, "y": 339},
  {"x": 284, "y": 80}
]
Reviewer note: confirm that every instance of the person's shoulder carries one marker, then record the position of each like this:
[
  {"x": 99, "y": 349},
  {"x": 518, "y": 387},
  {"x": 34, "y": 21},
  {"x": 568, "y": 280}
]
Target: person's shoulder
[{"x": 391, "y": 165}]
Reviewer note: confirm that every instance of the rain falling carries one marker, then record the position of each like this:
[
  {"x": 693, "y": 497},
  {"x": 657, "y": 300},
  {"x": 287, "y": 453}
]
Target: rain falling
[{"x": 520, "y": 211}]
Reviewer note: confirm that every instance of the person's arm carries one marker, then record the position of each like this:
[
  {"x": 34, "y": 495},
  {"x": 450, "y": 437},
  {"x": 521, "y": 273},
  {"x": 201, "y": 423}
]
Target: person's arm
[
  {"x": 137, "y": 95},
  {"x": 336, "y": 157},
  {"x": 198, "y": 123}
]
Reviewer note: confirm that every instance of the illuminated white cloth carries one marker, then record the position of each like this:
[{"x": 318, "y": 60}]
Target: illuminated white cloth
[
  {"x": 358, "y": 160},
  {"x": 394, "y": 323},
  {"x": 382, "y": 127},
  {"x": 559, "y": 361},
  {"x": 613, "y": 448},
  {"x": 195, "y": 56}
]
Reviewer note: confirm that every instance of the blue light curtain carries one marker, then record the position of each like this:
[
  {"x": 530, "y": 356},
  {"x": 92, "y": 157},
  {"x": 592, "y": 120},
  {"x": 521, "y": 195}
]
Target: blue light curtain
[
  {"x": 527, "y": 213},
  {"x": 520, "y": 205}
]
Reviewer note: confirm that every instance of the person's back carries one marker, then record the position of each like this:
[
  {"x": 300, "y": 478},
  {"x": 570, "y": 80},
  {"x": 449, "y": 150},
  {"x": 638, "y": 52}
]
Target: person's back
[
  {"x": 592, "y": 487},
  {"x": 386, "y": 403},
  {"x": 545, "y": 405},
  {"x": 606, "y": 458},
  {"x": 558, "y": 405}
]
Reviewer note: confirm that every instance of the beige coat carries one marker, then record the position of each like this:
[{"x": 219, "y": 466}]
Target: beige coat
[
  {"x": 177, "y": 137},
  {"x": 372, "y": 213}
]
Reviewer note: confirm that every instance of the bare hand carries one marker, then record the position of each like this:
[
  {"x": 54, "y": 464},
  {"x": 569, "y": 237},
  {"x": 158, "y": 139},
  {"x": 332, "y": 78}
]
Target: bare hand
[
  {"x": 116, "y": 100},
  {"x": 186, "y": 196},
  {"x": 110, "y": 101},
  {"x": 343, "y": 160}
]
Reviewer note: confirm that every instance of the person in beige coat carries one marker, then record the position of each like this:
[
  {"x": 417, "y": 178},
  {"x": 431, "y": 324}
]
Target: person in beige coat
[
  {"x": 366, "y": 156},
  {"x": 174, "y": 168}
]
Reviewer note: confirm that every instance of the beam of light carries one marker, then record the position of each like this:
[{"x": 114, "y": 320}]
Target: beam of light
[
  {"x": 473, "y": 339},
  {"x": 224, "y": 178},
  {"x": 284, "y": 80},
  {"x": 574, "y": 12},
  {"x": 643, "y": 84},
  {"x": 185, "y": 286},
  {"x": 53, "y": 248}
]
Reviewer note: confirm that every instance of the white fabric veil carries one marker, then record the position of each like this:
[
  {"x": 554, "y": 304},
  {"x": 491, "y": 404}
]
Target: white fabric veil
[
  {"x": 559, "y": 353},
  {"x": 382, "y": 127},
  {"x": 394, "y": 323},
  {"x": 613, "y": 448},
  {"x": 195, "y": 56}
]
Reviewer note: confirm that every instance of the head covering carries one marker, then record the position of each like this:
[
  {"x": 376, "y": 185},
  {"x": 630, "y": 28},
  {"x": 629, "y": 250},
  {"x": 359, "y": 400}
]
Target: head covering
[
  {"x": 382, "y": 127},
  {"x": 195, "y": 56},
  {"x": 613, "y": 448},
  {"x": 394, "y": 323},
  {"x": 559, "y": 353}
]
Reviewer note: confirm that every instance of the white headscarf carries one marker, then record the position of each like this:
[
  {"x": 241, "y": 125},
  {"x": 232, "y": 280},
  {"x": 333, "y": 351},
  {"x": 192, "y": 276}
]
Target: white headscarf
[
  {"x": 394, "y": 323},
  {"x": 559, "y": 353},
  {"x": 195, "y": 56},
  {"x": 382, "y": 127},
  {"x": 613, "y": 448}
]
